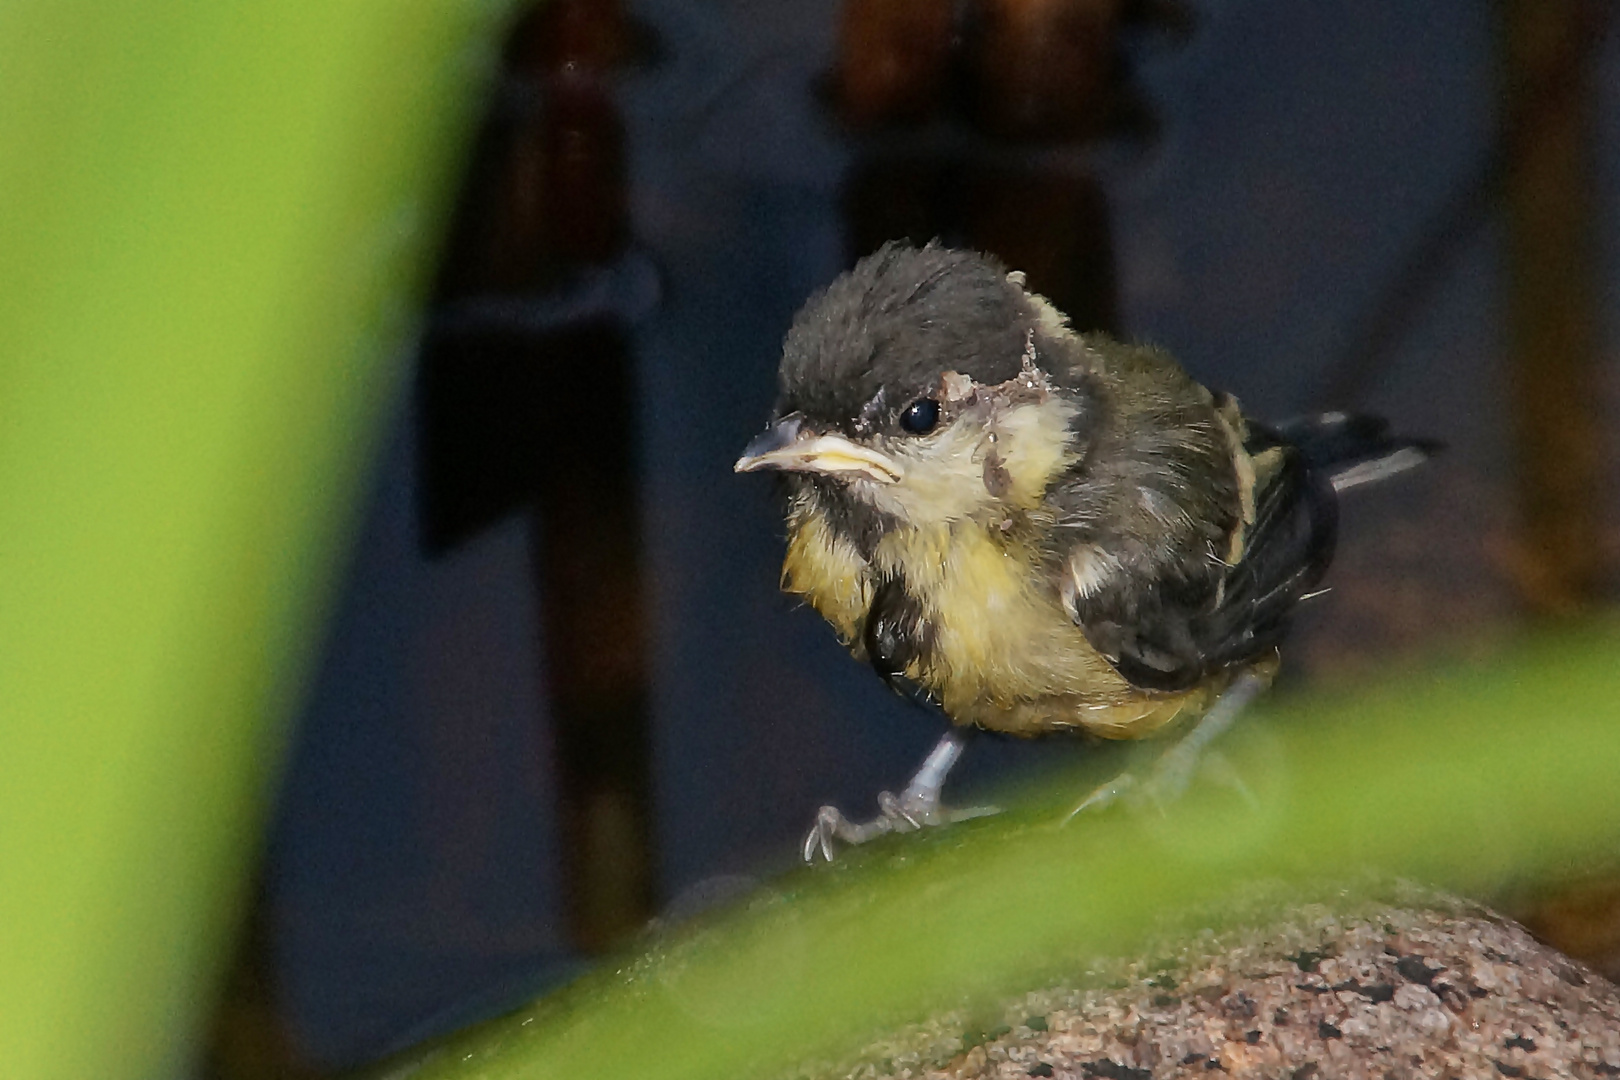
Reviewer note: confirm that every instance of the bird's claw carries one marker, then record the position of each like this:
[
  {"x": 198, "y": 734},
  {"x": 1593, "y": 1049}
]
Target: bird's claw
[
  {"x": 1105, "y": 795},
  {"x": 1165, "y": 783},
  {"x": 906, "y": 812},
  {"x": 903, "y": 816}
]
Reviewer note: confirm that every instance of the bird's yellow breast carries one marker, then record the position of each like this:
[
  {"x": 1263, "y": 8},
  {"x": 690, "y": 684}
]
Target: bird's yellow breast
[
  {"x": 825, "y": 569},
  {"x": 1005, "y": 654}
]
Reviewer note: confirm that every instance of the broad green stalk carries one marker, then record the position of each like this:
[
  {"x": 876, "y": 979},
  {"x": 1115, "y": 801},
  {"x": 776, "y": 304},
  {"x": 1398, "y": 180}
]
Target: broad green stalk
[{"x": 213, "y": 219}]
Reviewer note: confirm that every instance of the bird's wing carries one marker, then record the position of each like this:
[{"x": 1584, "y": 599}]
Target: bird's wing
[{"x": 1167, "y": 620}]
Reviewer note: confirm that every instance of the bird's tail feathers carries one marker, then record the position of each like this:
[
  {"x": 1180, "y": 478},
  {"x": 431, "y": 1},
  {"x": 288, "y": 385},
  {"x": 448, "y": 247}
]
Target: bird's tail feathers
[{"x": 1352, "y": 450}]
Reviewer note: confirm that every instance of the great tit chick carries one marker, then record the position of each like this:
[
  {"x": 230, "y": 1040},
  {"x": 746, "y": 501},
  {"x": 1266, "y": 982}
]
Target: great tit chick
[{"x": 1036, "y": 529}]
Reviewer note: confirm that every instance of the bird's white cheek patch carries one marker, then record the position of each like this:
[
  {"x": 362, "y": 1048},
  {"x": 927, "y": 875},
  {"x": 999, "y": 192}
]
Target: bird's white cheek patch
[
  {"x": 995, "y": 452},
  {"x": 943, "y": 478},
  {"x": 1034, "y": 444}
]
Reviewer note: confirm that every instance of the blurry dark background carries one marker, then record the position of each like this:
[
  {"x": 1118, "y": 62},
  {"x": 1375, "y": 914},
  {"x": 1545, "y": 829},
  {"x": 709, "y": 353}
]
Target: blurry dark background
[{"x": 561, "y": 691}]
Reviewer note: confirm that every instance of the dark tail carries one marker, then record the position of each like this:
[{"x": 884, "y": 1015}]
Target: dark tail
[
  {"x": 1286, "y": 549},
  {"x": 1297, "y": 523},
  {"x": 1351, "y": 450}
]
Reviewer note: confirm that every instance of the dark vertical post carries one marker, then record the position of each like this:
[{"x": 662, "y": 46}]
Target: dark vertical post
[
  {"x": 1551, "y": 309},
  {"x": 528, "y": 401},
  {"x": 587, "y": 562},
  {"x": 588, "y": 544}
]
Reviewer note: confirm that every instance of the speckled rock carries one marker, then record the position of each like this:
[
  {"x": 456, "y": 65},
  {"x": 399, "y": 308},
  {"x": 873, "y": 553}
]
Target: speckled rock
[{"x": 1388, "y": 993}]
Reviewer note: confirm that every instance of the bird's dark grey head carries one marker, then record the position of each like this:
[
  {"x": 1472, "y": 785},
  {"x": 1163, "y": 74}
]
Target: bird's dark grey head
[
  {"x": 893, "y": 326},
  {"x": 915, "y": 386}
]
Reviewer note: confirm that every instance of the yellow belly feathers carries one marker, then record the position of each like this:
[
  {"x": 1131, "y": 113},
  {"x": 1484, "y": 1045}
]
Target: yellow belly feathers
[{"x": 1006, "y": 655}]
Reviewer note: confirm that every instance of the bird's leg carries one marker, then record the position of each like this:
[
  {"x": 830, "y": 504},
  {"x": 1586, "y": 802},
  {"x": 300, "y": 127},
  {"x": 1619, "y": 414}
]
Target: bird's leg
[
  {"x": 914, "y": 808},
  {"x": 1174, "y": 770}
]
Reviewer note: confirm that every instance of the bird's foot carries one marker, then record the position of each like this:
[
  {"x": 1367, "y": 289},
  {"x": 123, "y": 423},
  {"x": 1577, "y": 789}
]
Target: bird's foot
[
  {"x": 910, "y": 811},
  {"x": 1168, "y": 779},
  {"x": 1166, "y": 782},
  {"x": 917, "y": 807}
]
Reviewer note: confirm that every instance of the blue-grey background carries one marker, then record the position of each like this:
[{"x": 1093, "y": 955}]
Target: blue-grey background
[{"x": 1304, "y": 148}]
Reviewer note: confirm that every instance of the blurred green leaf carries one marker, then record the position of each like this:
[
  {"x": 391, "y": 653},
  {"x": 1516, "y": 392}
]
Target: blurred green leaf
[
  {"x": 1467, "y": 777},
  {"x": 213, "y": 219}
]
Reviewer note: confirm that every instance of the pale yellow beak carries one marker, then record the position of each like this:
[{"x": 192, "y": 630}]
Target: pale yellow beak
[{"x": 786, "y": 445}]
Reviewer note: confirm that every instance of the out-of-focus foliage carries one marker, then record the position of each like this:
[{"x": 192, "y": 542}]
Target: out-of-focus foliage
[
  {"x": 1471, "y": 776},
  {"x": 212, "y": 218}
]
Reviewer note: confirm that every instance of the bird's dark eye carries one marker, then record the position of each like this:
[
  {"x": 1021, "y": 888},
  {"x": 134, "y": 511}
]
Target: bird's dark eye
[{"x": 920, "y": 416}]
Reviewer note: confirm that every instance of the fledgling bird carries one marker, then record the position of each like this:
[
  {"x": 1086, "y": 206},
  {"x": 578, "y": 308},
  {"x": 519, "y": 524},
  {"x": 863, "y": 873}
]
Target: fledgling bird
[{"x": 1039, "y": 530}]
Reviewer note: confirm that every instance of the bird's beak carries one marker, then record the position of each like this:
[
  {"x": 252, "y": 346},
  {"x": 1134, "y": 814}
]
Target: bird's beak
[{"x": 787, "y": 445}]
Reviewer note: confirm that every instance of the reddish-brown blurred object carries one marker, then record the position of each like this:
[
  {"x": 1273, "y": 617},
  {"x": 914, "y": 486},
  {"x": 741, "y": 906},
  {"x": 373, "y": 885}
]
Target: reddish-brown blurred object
[
  {"x": 583, "y": 182},
  {"x": 1050, "y": 223},
  {"x": 1045, "y": 68},
  {"x": 546, "y": 191},
  {"x": 894, "y": 57},
  {"x": 986, "y": 87},
  {"x": 1559, "y": 560},
  {"x": 555, "y": 198},
  {"x": 1013, "y": 69},
  {"x": 1582, "y": 920},
  {"x": 593, "y": 35},
  {"x": 1547, "y": 63},
  {"x": 1054, "y": 227}
]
